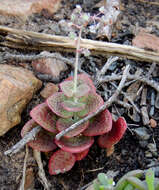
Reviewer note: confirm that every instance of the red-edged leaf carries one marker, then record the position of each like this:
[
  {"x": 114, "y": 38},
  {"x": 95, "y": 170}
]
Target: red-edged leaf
[
  {"x": 72, "y": 106},
  {"x": 54, "y": 103},
  {"x": 67, "y": 87},
  {"x": 61, "y": 162},
  {"x": 82, "y": 90},
  {"x": 43, "y": 142},
  {"x": 93, "y": 102},
  {"x": 75, "y": 144},
  {"x": 101, "y": 124},
  {"x": 42, "y": 115},
  {"x": 81, "y": 155},
  {"x": 84, "y": 78},
  {"x": 62, "y": 124},
  {"x": 118, "y": 129}
]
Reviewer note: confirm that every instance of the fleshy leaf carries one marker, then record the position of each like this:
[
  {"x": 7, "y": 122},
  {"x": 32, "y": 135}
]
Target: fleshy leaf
[
  {"x": 81, "y": 155},
  {"x": 62, "y": 124},
  {"x": 75, "y": 144},
  {"x": 150, "y": 178},
  {"x": 101, "y": 124},
  {"x": 42, "y": 115},
  {"x": 67, "y": 88},
  {"x": 61, "y": 162},
  {"x": 84, "y": 79},
  {"x": 43, "y": 141},
  {"x": 82, "y": 90},
  {"x": 93, "y": 102},
  {"x": 72, "y": 106},
  {"x": 54, "y": 103},
  {"x": 109, "y": 139}
]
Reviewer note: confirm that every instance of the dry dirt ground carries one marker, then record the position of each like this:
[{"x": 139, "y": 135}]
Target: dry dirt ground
[{"x": 129, "y": 154}]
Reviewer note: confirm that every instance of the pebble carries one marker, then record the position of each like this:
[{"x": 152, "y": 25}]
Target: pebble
[{"x": 141, "y": 133}]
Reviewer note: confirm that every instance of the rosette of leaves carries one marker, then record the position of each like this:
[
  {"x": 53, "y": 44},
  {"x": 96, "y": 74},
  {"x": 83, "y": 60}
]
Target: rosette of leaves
[{"x": 61, "y": 110}]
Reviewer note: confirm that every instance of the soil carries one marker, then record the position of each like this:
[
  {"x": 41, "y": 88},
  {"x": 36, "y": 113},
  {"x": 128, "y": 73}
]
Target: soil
[{"x": 129, "y": 154}]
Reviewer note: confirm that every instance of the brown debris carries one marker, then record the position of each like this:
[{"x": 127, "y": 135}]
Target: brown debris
[
  {"x": 49, "y": 89},
  {"x": 50, "y": 66},
  {"x": 25, "y": 8},
  {"x": 153, "y": 123},
  {"x": 146, "y": 41}
]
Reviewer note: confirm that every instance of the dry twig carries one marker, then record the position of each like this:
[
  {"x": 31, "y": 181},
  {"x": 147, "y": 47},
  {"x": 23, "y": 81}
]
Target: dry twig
[
  {"x": 41, "y": 172},
  {"x": 28, "y": 137},
  {"x": 145, "y": 80},
  {"x": 22, "y": 184},
  {"x": 21, "y": 39},
  {"x": 106, "y": 104},
  {"x": 43, "y": 54}
]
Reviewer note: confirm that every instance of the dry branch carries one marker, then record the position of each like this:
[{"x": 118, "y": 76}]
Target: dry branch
[
  {"x": 41, "y": 172},
  {"x": 145, "y": 80},
  {"x": 28, "y": 137},
  {"x": 22, "y": 39},
  {"x": 22, "y": 184}
]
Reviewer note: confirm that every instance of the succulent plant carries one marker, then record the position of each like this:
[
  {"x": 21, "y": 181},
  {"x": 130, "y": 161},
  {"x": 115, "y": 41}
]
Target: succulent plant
[
  {"x": 64, "y": 108},
  {"x": 133, "y": 180},
  {"x": 75, "y": 99}
]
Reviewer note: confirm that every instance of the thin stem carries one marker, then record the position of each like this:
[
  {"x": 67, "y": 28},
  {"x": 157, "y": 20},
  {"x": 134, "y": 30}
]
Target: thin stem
[{"x": 77, "y": 60}]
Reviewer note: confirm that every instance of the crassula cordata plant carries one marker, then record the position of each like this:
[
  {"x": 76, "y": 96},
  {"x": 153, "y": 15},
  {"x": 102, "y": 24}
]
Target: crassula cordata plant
[{"x": 75, "y": 99}]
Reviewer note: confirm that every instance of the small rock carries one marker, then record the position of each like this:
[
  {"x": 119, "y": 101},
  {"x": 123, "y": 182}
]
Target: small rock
[
  {"x": 143, "y": 143},
  {"x": 50, "y": 66},
  {"x": 146, "y": 41},
  {"x": 153, "y": 123},
  {"x": 49, "y": 89},
  {"x": 152, "y": 148},
  {"x": 25, "y": 8},
  {"x": 141, "y": 133},
  {"x": 148, "y": 154},
  {"x": 17, "y": 86}
]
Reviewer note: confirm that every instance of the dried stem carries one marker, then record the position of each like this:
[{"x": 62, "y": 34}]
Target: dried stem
[
  {"x": 145, "y": 80},
  {"x": 41, "y": 172},
  {"x": 28, "y": 137},
  {"x": 21, "y": 39},
  {"x": 104, "y": 69},
  {"x": 106, "y": 104},
  {"x": 43, "y": 54},
  {"x": 22, "y": 184}
]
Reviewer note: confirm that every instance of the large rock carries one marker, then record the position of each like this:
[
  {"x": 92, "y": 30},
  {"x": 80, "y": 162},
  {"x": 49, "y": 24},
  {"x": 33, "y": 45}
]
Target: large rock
[
  {"x": 24, "y": 8},
  {"x": 17, "y": 86}
]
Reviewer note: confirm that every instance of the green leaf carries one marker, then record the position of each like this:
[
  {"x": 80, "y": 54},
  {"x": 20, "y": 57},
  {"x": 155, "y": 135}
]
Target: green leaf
[
  {"x": 129, "y": 187},
  {"x": 96, "y": 185},
  {"x": 136, "y": 183},
  {"x": 103, "y": 179},
  {"x": 150, "y": 176},
  {"x": 101, "y": 187}
]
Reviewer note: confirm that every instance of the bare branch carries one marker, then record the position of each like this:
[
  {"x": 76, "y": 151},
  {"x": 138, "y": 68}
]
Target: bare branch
[
  {"x": 43, "y": 54},
  {"x": 21, "y": 39},
  {"x": 41, "y": 173},
  {"x": 145, "y": 80},
  {"x": 106, "y": 104},
  {"x": 28, "y": 137},
  {"x": 24, "y": 169}
]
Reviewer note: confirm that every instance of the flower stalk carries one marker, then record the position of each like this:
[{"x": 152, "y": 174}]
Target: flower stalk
[{"x": 77, "y": 60}]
